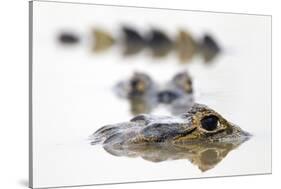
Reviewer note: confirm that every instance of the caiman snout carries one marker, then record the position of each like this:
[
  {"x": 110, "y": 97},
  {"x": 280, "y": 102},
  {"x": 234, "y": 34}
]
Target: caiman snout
[{"x": 198, "y": 124}]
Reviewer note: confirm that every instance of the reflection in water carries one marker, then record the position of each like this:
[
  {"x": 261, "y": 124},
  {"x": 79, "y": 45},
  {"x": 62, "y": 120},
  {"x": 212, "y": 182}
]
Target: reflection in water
[
  {"x": 204, "y": 155},
  {"x": 200, "y": 135},
  {"x": 140, "y": 105}
]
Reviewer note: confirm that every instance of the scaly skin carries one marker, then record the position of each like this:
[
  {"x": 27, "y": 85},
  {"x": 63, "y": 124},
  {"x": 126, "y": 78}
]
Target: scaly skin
[
  {"x": 199, "y": 124},
  {"x": 201, "y": 135}
]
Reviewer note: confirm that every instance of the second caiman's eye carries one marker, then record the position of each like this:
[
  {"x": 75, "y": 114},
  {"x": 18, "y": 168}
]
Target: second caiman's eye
[
  {"x": 210, "y": 123},
  {"x": 138, "y": 85}
]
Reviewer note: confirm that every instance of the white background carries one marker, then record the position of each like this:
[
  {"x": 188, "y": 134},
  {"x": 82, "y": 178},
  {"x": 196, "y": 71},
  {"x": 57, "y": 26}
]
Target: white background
[
  {"x": 62, "y": 120},
  {"x": 14, "y": 93}
]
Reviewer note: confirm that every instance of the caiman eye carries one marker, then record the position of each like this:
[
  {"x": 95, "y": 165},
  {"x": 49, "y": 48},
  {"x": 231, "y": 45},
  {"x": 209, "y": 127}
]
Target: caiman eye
[
  {"x": 135, "y": 83},
  {"x": 138, "y": 85},
  {"x": 210, "y": 123}
]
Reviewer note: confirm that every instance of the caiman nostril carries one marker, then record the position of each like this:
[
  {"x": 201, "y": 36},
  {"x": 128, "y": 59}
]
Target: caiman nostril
[{"x": 140, "y": 117}]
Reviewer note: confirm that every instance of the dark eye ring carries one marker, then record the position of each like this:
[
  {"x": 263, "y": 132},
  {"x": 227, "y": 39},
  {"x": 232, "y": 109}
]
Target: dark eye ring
[{"x": 210, "y": 123}]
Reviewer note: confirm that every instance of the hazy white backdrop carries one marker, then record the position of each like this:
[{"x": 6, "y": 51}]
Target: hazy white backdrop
[
  {"x": 73, "y": 97},
  {"x": 14, "y": 95}
]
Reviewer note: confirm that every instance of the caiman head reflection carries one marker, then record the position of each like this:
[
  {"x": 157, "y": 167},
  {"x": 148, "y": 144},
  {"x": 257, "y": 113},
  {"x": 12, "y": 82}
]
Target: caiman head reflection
[{"x": 200, "y": 135}]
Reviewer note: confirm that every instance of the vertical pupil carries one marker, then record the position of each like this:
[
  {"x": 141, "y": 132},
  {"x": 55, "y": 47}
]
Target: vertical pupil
[{"x": 209, "y": 123}]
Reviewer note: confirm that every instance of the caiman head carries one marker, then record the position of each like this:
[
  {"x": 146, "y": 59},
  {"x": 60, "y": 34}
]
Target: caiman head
[
  {"x": 200, "y": 135},
  {"x": 199, "y": 124}
]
